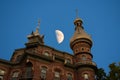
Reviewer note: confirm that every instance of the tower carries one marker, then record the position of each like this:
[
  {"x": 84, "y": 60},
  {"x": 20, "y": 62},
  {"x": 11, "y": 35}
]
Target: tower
[
  {"x": 35, "y": 38},
  {"x": 81, "y": 44}
]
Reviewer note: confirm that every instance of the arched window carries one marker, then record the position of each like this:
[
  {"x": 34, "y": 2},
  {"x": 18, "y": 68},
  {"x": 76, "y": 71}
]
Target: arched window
[
  {"x": 57, "y": 75},
  {"x": 2, "y": 72},
  {"x": 18, "y": 58},
  {"x": 46, "y": 53},
  {"x": 83, "y": 57},
  {"x": 15, "y": 75},
  {"x": 68, "y": 61},
  {"x": 82, "y": 49},
  {"x": 29, "y": 72},
  {"x": 86, "y": 77},
  {"x": 43, "y": 72},
  {"x": 69, "y": 76}
]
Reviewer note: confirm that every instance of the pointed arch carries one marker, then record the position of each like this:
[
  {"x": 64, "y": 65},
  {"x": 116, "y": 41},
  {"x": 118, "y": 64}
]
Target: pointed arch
[
  {"x": 29, "y": 70},
  {"x": 18, "y": 58},
  {"x": 85, "y": 75},
  {"x": 84, "y": 57},
  {"x": 68, "y": 60},
  {"x": 57, "y": 73},
  {"x": 15, "y": 75},
  {"x": 43, "y": 73}
]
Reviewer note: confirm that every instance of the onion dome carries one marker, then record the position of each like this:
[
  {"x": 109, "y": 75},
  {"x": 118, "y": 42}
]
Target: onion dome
[{"x": 79, "y": 34}]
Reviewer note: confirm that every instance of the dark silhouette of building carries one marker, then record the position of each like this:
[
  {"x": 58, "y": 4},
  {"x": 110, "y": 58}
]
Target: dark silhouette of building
[{"x": 38, "y": 61}]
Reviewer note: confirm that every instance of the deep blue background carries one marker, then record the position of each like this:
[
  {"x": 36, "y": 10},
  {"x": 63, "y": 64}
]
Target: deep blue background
[{"x": 101, "y": 20}]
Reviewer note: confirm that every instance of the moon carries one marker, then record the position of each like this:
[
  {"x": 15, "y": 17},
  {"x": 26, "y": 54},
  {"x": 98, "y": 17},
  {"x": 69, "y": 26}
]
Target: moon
[{"x": 59, "y": 36}]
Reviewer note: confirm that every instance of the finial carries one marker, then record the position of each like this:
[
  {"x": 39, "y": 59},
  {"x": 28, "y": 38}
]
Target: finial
[
  {"x": 38, "y": 24},
  {"x": 77, "y": 20},
  {"x": 37, "y": 29},
  {"x": 76, "y": 13}
]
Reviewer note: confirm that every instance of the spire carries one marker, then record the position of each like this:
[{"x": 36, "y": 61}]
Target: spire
[
  {"x": 37, "y": 29},
  {"x": 38, "y": 23},
  {"x": 76, "y": 13},
  {"x": 77, "y": 21}
]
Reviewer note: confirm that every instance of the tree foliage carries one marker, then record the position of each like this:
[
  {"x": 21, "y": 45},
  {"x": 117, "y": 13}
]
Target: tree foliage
[
  {"x": 101, "y": 75},
  {"x": 114, "y": 73}
]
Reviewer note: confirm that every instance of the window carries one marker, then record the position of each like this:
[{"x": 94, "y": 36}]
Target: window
[
  {"x": 82, "y": 49},
  {"x": 68, "y": 61},
  {"x": 28, "y": 73},
  {"x": 2, "y": 72},
  {"x": 46, "y": 53},
  {"x": 78, "y": 23},
  {"x": 69, "y": 76},
  {"x": 57, "y": 75},
  {"x": 43, "y": 72},
  {"x": 83, "y": 57},
  {"x": 15, "y": 75},
  {"x": 18, "y": 58},
  {"x": 88, "y": 49},
  {"x": 76, "y": 50},
  {"x": 86, "y": 76}
]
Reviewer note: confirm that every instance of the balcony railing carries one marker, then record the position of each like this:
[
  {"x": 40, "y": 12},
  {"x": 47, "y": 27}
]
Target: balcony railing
[{"x": 86, "y": 63}]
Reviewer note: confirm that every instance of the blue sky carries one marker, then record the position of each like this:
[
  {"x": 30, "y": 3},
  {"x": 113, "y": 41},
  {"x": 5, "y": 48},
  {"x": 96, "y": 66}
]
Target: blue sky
[{"x": 18, "y": 18}]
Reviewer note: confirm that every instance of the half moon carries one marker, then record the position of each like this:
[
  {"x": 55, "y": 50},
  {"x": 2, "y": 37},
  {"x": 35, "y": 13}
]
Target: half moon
[{"x": 59, "y": 36}]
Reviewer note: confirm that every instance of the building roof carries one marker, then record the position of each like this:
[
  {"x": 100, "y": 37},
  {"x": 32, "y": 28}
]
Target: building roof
[{"x": 79, "y": 31}]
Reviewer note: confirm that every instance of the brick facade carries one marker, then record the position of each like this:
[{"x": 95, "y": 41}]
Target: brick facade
[{"x": 40, "y": 62}]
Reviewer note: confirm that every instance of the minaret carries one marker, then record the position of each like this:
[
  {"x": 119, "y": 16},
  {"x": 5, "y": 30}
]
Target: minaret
[
  {"x": 81, "y": 44},
  {"x": 35, "y": 38}
]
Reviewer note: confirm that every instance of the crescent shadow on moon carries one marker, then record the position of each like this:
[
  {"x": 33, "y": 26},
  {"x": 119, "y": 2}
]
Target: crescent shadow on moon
[{"x": 59, "y": 36}]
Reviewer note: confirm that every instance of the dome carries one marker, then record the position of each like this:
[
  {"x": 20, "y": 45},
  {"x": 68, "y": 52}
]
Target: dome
[{"x": 79, "y": 33}]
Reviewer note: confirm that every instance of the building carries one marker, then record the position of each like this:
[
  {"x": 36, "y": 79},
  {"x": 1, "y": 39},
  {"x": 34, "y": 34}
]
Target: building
[{"x": 38, "y": 61}]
